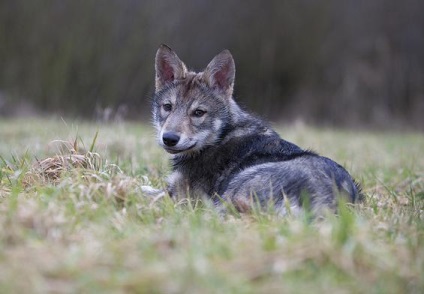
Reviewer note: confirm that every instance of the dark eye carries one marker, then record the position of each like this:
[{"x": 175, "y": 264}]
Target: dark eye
[
  {"x": 167, "y": 107},
  {"x": 198, "y": 113}
]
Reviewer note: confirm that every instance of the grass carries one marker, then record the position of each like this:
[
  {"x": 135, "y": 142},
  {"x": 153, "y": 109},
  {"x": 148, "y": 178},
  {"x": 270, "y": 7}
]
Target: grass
[{"x": 84, "y": 225}]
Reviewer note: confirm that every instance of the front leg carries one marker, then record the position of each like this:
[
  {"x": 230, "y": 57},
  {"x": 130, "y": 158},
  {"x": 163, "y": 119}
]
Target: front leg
[
  {"x": 180, "y": 186},
  {"x": 177, "y": 186}
]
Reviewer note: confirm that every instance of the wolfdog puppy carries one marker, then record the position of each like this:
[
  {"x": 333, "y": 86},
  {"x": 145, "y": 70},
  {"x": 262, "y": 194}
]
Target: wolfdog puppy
[{"x": 222, "y": 153}]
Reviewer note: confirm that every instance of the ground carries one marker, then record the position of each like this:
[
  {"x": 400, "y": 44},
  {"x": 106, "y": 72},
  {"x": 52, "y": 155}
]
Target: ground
[{"x": 73, "y": 218}]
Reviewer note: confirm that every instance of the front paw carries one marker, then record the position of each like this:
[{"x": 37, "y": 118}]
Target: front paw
[{"x": 152, "y": 192}]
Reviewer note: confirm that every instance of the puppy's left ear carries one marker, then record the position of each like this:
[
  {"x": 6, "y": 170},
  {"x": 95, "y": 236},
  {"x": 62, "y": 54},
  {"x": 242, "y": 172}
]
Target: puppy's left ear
[
  {"x": 168, "y": 67},
  {"x": 220, "y": 73}
]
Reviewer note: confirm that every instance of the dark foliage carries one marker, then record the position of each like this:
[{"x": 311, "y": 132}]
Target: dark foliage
[{"x": 349, "y": 62}]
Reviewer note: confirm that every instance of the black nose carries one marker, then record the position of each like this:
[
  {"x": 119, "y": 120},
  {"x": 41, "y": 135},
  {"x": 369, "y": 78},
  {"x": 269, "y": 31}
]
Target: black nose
[{"x": 170, "y": 139}]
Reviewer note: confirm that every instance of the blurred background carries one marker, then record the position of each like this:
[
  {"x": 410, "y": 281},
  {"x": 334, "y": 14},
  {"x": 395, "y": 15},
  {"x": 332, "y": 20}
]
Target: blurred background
[{"x": 349, "y": 63}]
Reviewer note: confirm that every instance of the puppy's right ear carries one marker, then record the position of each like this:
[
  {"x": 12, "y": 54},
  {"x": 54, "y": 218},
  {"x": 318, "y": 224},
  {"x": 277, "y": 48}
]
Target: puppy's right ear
[
  {"x": 168, "y": 67},
  {"x": 220, "y": 73}
]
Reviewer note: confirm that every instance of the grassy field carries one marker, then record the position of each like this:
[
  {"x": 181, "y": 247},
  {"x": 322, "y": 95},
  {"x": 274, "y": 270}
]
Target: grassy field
[{"x": 72, "y": 224}]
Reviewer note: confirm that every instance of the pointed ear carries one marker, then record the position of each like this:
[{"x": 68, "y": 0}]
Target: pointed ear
[
  {"x": 220, "y": 73},
  {"x": 168, "y": 67}
]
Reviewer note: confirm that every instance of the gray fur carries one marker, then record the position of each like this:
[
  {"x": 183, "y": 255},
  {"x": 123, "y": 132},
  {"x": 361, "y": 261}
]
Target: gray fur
[{"x": 227, "y": 155}]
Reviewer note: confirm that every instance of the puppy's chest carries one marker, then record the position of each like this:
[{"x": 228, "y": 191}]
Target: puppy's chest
[
  {"x": 203, "y": 175},
  {"x": 192, "y": 183}
]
